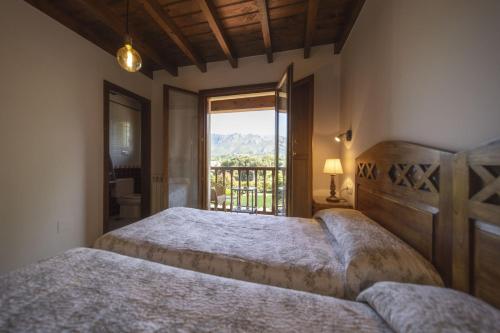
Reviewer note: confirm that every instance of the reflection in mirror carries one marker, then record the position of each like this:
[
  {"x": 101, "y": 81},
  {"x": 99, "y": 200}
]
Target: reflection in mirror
[{"x": 124, "y": 160}]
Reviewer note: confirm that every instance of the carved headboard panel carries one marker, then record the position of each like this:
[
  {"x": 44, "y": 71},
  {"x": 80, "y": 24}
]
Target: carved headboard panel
[
  {"x": 407, "y": 188},
  {"x": 476, "y": 230}
]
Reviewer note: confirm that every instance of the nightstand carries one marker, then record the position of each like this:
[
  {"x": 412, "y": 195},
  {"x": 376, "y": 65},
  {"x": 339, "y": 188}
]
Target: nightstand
[{"x": 320, "y": 203}]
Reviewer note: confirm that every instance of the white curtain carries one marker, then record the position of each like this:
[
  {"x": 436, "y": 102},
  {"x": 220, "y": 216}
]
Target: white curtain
[{"x": 183, "y": 149}]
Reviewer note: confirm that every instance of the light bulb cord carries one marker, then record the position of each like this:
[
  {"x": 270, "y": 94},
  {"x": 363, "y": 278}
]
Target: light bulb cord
[{"x": 126, "y": 20}]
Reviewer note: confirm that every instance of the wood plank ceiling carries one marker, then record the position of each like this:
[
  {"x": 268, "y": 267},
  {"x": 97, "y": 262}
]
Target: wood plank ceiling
[{"x": 173, "y": 33}]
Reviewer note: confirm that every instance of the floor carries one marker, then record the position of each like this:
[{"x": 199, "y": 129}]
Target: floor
[{"x": 116, "y": 222}]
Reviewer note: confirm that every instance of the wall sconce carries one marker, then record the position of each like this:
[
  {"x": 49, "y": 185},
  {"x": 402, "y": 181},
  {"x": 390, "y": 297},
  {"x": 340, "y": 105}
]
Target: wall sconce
[{"x": 347, "y": 134}]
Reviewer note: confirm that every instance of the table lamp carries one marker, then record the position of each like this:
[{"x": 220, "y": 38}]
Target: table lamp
[{"x": 333, "y": 167}]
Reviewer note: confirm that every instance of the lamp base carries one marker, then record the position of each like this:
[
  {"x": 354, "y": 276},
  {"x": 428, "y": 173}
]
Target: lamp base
[{"x": 333, "y": 199}]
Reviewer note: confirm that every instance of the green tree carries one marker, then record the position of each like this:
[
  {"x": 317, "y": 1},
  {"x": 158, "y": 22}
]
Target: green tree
[{"x": 246, "y": 160}]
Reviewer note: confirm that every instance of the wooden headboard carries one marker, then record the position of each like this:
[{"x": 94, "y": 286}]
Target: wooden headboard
[
  {"x": 476, "y": 230},
  {"x": 407, "y": 188}
]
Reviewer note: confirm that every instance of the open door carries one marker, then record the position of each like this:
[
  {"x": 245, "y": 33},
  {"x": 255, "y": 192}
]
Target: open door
[
  {"x": 302, "y": 126},
  {"x": 180, "y": 141},
  {"x": 283, "y": 142}
]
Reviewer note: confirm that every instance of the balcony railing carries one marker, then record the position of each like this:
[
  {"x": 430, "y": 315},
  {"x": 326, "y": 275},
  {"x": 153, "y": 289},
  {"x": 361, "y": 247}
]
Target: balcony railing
[{"x": 249, "y": 189}]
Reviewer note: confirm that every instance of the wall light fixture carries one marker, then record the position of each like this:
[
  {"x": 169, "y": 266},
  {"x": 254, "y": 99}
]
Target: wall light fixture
[{"x": 347, "y": 134}]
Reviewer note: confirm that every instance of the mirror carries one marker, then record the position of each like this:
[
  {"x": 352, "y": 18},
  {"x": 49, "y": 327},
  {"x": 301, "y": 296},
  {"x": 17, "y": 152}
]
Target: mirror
[{"x": 127, "y": 151}]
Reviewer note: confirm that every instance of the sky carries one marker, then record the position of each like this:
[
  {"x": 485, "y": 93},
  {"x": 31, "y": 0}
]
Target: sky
[{"x": 252, "y": 122}]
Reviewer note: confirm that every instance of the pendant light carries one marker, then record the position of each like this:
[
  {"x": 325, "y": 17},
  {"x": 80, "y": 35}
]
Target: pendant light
[{"x": 128, "y": 58}]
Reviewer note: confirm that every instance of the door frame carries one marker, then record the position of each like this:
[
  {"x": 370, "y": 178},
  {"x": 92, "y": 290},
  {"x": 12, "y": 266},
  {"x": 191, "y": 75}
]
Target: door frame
[
  {"x": 166, "y": 139},
  {"x": 287, "y": 77},
  {"x": 204, "y": 95},
  {"x": 145, "y": 150}
]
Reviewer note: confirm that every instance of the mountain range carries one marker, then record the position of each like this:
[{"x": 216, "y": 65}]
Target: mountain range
[{"x": 243, "y": 144}]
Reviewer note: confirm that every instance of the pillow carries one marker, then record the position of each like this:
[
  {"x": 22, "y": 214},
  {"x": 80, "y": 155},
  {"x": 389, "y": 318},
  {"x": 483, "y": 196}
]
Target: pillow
[
  {"x": 371, "y": 254},
  {"x": 415, "y": 308}
]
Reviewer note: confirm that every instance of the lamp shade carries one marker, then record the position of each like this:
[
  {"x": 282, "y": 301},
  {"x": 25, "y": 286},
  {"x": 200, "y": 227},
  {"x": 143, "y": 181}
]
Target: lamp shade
[{"x": 333, "y": 166}]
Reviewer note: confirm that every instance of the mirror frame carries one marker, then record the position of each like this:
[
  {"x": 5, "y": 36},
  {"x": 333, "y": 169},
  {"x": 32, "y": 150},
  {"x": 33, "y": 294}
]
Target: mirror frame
[{"x": 145, "y": 151}]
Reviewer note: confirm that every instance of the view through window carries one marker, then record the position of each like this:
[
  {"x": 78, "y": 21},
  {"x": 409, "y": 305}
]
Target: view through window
[{"x": 242, "y": 160}]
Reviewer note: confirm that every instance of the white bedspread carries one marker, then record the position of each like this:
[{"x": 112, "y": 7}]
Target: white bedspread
[
  {"x": 85, "y": 290},
  {"x": 295, "y": 253},
  {"x": 339, "y": 254}
]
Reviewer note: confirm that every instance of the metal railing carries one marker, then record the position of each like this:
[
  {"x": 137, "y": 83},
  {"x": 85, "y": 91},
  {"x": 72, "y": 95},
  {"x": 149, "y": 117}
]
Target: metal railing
[{"x": 248, "y": 189}]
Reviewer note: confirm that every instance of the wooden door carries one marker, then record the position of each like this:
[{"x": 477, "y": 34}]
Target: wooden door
[
  {"x": 301, "y": 136},
  {"x": 283, "y": 93}
]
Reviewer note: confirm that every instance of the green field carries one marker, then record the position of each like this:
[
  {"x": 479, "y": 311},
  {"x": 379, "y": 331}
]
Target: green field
[{"x": 260, "y": 201}]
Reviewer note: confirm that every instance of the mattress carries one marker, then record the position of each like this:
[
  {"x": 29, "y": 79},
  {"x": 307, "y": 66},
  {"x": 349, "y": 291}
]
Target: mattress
[{"x": 88, "y": 290}]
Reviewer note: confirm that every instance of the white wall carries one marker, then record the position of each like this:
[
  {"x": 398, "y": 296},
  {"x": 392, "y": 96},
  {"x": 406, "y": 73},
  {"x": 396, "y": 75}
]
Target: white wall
[
  {"x": 322, "y": 63},
  {"x": 50, "y": 134},
  {"x": 422, "y": 71}
]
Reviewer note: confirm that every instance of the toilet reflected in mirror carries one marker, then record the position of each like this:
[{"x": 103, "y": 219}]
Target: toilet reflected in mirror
[{"x": 127, "y": 148}]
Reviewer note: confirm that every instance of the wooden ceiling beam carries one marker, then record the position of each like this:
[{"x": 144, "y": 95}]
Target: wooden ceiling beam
[
  {"x": 70, "y": 22},
  {"x": 312, "y": 13},
  {"x": 266, "y": 32},
  {"x": 106, "y": 16},
  {"x": 168, "y": 25},
  {"x": 210, "y": 13},
  {"x": 344, "y": 33}
]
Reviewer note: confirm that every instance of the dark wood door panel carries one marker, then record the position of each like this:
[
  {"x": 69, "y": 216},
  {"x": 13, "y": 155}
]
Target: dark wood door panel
[
  {"x": 302, "y": 203},
  {"x": 301, "y": 124},
  {"x": 301, "y": 134}
]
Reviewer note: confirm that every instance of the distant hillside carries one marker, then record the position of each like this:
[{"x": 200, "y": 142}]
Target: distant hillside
[{"x": 243, "y": 144}]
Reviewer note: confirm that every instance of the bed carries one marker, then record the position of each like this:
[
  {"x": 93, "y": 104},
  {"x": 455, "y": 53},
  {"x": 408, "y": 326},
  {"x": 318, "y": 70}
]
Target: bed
[
  {"x": 403, "y": 187},
  {"x": 88, "y": 290},
  {"x": 287, "y": 252},
  {"x": 476, "y": 229}
]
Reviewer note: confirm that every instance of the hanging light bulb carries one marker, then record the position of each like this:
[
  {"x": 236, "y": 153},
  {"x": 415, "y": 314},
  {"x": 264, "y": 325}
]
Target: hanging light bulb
[{"x": 128, "y": 58}]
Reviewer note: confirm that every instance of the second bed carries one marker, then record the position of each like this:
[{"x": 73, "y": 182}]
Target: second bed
[
  {"x": 399, "y": 232},
  {"x": 339, "y": 254}
]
